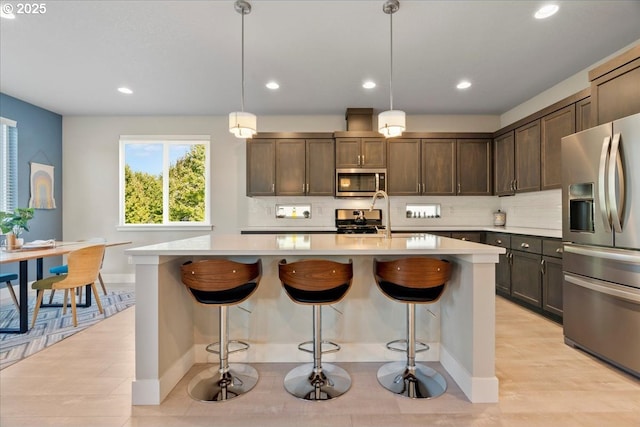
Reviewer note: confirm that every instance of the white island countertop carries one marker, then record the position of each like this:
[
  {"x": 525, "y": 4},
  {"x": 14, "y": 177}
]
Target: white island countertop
[{"x": 317, "y": 244}]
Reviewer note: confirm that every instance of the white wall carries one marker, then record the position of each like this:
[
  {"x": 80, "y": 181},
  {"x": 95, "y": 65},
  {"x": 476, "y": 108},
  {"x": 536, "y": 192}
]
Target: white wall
[
  {"x": 565, "y": 88},
  {"x": 90, "y": 174}
]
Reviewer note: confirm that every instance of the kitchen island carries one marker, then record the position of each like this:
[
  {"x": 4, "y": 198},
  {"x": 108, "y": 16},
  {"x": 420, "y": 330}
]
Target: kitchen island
[{"x": 172, "y": 330}]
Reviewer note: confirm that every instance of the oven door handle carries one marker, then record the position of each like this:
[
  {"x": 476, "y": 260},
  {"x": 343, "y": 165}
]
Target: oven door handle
[{"x": 604, "y": 288}]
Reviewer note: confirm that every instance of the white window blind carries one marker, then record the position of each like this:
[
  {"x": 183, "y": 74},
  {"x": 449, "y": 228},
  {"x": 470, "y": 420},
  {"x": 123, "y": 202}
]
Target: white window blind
[{"x": 8, "y": 165}]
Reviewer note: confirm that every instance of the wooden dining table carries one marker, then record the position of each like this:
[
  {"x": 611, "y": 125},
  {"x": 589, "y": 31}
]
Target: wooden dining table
[{"x": 23, "y": 256}]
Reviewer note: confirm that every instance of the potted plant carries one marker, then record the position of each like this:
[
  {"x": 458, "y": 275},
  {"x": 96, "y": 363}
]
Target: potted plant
[{"x": 13, "y": 223}]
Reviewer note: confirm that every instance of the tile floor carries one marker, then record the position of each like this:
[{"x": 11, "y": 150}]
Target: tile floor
[{"x": 85, "y": 380}]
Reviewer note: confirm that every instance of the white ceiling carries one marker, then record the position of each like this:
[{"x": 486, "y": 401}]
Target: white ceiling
[{"x": 183, "y": 57}]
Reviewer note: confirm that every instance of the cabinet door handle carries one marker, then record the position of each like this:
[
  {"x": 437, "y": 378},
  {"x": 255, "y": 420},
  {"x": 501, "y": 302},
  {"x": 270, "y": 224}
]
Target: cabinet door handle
[
  {"x": 510, "y": 258},
  {"x": 303, "y": 186},
  {"x": 363, "y": 159},
  {"x": 464, "y": 239},
  {"x": 542, "y": 265},
  {"x": 307, "y": 187},
  {"x": 559, "y": 251},
  {"x": 458, "y": 188},
  {"x": 498, "y": 241},
  {"x": 524, "y": 245},
  {"x": 515, "y": 184},
  {"x": 358, "y": 160},
  {"x": 273, "y": 188}
]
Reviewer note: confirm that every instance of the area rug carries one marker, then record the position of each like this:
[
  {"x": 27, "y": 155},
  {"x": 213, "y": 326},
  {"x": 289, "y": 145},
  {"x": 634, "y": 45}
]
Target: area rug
[{"x": 52, "y": 326}]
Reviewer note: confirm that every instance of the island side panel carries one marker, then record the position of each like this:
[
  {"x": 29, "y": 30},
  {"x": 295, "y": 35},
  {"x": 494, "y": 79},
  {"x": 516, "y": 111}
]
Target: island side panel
[
  {"x": 468, "y": 329},
  {"x": 164, "y": 328}
]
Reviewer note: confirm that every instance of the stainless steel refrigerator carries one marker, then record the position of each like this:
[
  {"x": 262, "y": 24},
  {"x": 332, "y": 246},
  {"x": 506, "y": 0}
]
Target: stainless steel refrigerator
[{"x": 601, "y": 231}]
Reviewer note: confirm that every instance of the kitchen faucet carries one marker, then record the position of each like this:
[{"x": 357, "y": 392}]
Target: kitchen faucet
[{"x": 387, "y": 231}]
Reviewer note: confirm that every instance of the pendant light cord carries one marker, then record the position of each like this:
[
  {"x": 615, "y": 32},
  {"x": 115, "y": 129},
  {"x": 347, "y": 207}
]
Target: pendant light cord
[
  {"x": 391, "y": 65},
  {"x": 242, "y": 61}
]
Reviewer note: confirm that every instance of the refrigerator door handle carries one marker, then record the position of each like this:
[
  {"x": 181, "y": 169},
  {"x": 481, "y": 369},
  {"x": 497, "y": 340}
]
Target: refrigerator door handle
[
  {"x": 615, "y": 164},
  {"x": 603, "y": 287},
  {"x": 602, "y": 188},
  {"x": 615, "y": 255}
]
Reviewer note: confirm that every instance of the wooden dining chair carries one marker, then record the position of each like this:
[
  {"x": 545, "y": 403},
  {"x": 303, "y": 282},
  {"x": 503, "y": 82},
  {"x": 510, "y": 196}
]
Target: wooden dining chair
[
  {"x": 64, "y": 268},
  {"x": 84, "y": 267},
  {"x": 5, "y": 280}
]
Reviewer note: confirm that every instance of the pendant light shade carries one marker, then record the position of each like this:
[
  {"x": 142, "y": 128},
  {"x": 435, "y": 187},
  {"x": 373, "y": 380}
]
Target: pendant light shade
[
  {"x": 242, "y": 124},
  {"x": 391, "y": 122}
]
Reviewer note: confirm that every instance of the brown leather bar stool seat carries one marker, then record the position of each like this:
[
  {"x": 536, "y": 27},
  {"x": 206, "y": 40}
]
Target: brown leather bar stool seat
[
  {"x": 316, "y": 283},
  {"x": 222, "y": 283},
  {"x": 412, "y": 281}
]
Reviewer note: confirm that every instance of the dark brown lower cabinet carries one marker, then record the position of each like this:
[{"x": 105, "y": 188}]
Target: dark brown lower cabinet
[
  {"x": 552, "y": 285},
  {"x": 530, "y": 272},
  {"x": 526, "y": 281}
]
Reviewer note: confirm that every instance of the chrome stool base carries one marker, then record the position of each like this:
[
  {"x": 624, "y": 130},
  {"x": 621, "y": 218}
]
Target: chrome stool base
[
  {"x": 331, "y": 382},
  {"x": 210, "y": 386},
  {"x": 422, "y": 383}
]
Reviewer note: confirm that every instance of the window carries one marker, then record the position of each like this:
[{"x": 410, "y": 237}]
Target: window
[
  {"x": 8, "y": 165},
  {"x": 164, "y": 181}
]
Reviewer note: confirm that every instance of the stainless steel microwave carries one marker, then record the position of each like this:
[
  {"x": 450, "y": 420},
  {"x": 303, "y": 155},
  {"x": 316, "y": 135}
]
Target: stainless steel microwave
[{"x": 360, "y": 182}]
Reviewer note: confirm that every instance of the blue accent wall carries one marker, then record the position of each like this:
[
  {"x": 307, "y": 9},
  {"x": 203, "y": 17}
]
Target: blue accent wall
[{"x": 40, "y": 141}]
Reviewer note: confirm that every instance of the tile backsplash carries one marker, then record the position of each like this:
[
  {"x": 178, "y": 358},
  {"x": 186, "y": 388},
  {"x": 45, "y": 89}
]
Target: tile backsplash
[{"x": 541, "y": 209}]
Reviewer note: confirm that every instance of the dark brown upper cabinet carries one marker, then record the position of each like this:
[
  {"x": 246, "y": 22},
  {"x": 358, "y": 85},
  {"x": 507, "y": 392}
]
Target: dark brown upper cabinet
[
  {"x": 583, "y": 114},
  {"x": 473, "y": 167},
  {"x": 403, "y": 167},
  {"x": 503, "y": 168},
  {"x": 361, "y": 153},
  {"x": 527, "y": 157},
  {"x": 615, "y": 87},
  {"x": 438, "y": 177},
  {"x": 304, "y": 167},
  {"x": 439, "y": 167},
  {"x": 261, "y": 167},
  {"x": 553, "y": 128}
]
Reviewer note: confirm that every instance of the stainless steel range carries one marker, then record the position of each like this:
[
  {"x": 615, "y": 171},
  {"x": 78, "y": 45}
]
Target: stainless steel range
[{"x": 358, "y": 221}]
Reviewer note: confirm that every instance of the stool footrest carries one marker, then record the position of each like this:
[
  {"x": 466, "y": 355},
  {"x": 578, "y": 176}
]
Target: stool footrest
[
  {"x": 401, "y": 346},
  {"x": 240, "y": 346},
  {"x": 334, "y": 347}
]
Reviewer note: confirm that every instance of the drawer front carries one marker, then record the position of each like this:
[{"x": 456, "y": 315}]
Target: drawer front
[
  {"x": 499, "y": 239},
  {"x": 552, "y": 248},
  {"x": 526, "y": 244}
]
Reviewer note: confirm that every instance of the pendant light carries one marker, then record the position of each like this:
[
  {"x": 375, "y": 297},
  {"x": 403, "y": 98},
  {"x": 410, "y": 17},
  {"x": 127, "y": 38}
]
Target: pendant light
[
  {"x": 241, "y": 123},
  {"x": 391, "y": 122}
]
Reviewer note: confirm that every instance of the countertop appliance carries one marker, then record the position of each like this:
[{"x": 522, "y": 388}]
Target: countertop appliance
[
  {"x": 360, "y": 182},
  {"x": 601, "y": 230},
  {"x": 358, "y": 221}
]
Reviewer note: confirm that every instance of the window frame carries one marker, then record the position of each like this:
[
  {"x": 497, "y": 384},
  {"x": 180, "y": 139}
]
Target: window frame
[
  {"x": 9, "y": 166},
  {"x": 166, "y": 141}
]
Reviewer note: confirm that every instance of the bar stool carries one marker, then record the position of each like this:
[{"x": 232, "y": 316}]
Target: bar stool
[
  {"x": 223, "y": 283},
  {"x": 412, "y": 281},
  {"x": 316, "y": 283}
]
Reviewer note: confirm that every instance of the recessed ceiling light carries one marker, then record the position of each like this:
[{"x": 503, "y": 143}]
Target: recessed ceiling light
[
  {"x": 464, "y": 84},
  {"x": 125, "y": 90},
  {"x": 546, "y": 11},
  {"x": 272, "y": 85},
  {"x": 369, "y": 84}
]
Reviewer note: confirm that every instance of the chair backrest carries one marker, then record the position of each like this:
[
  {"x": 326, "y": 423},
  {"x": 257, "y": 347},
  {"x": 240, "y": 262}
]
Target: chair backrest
[
  {"x": 84, "y": 266},
  {"x": 315, "y": 274},
  {"x": 219, "y": 274},
  {"x": 414, "y": 272}
]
